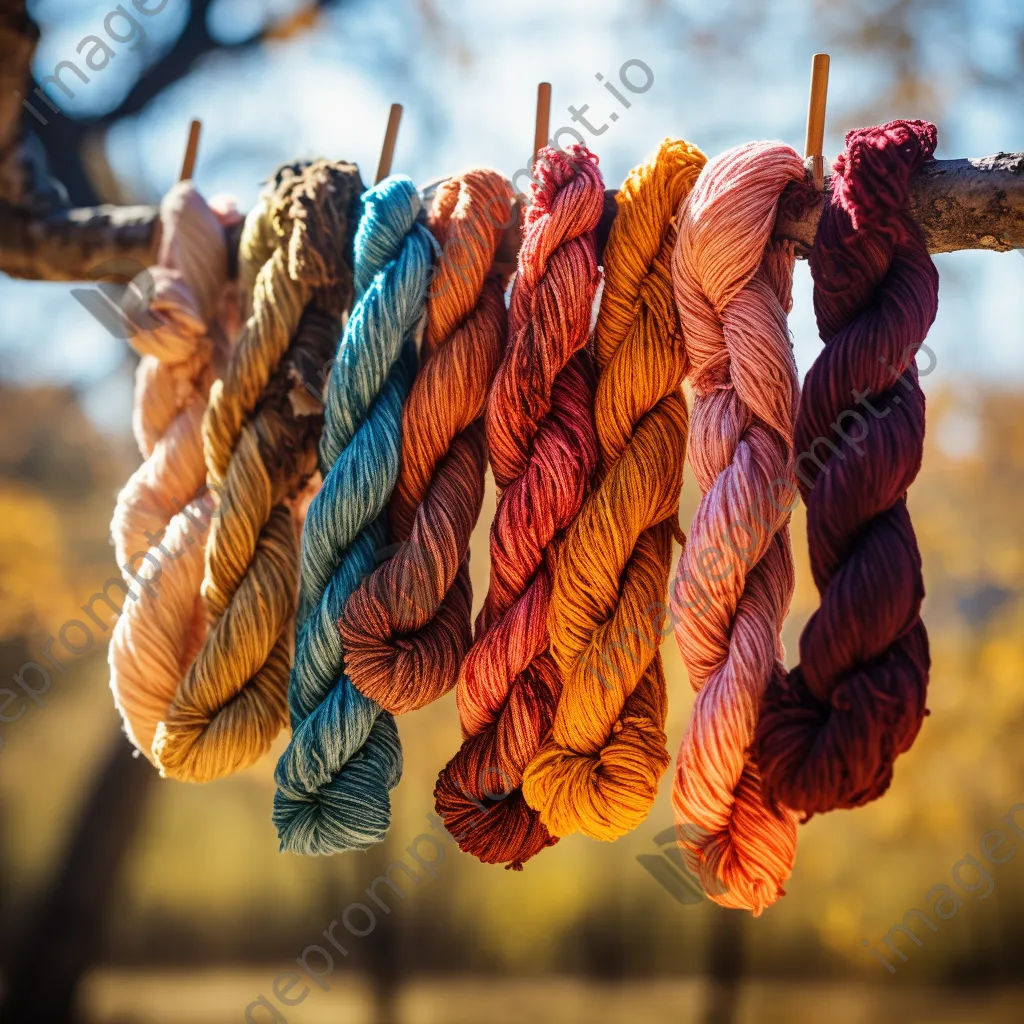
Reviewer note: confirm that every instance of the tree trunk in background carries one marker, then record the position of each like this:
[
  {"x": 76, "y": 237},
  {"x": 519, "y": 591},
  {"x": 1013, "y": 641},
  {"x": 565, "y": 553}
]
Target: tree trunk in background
[
  {"x": 725, "y": 967},
  {"x": 384, "y": 946},
  {"x": 61, "y": 935}
]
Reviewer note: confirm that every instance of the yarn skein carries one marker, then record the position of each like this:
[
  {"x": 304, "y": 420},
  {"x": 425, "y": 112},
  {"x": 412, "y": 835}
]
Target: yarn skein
[
  {"x": 407, "y": 627},
  {"x": 335, "y": 777},
  {"x": 183, "y": 348},
  {"x": 735, "y": 578},
  {"x": 543, "y": 452},
  {"x": 259, "y": 449},
  {"x": 830, "y": 732},
  {"x": 599, "y": 771}
]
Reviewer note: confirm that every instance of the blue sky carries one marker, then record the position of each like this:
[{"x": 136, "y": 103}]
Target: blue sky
[{"x": 466, "y": 73}]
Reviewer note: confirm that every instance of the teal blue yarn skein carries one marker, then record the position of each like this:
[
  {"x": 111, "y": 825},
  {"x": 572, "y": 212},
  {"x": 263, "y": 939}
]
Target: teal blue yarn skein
[{"x": 344, "y": 757}]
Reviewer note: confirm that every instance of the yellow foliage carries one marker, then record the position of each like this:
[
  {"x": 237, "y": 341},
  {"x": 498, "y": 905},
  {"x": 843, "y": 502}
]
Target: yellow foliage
[
  {"x": 301, "y": 21},
  {"x": 33, "y": 587}
]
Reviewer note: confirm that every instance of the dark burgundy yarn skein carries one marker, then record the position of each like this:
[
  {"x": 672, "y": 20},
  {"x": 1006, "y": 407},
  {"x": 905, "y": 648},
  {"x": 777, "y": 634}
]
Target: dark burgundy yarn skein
[{"x": 831, "y": 729}]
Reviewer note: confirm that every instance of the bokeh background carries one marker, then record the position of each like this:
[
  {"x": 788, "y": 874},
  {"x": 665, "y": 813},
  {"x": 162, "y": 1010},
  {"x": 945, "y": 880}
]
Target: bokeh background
[{"x": 162, "y": 902}]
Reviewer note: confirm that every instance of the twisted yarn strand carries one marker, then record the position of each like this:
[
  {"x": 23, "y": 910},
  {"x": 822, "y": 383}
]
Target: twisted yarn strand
[
  {"x": 599, "y": 771},
  {"x": 183, "y": 348},
  {"x": 830, "y": 732},
  {"x": 733, "y": 290},
  {"x": 543, "y": 452},
  {"x": 406, "y": 628},
  {"x": 335, "y": 777},
  {"x": 231, "y": 703}
]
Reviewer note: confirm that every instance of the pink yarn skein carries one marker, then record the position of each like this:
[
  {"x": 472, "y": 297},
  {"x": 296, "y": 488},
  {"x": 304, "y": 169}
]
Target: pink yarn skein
[{"x": 735, "y": 578}]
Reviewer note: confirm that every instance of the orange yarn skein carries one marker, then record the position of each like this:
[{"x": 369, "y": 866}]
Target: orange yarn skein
[
  {"x": 599, "y": 770},
  {"x": 408, "y": 626},
  {"x": 543, "y": 452}
]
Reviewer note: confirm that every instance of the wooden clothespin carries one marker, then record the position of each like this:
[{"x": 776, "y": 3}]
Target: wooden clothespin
[
  {"x": 505, "y": 258},
  {"x": 387, "y": 152},
  {"x": 543, "y": 122},
  {"x": 815, "y": 145},
  {"x": 188, "y": 165}
]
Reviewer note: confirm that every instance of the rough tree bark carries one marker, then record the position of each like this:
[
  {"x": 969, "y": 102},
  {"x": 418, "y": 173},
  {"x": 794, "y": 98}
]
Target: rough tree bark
[
  {"x": 975, "y": 203},
  {"x": 72, "y": 245}
]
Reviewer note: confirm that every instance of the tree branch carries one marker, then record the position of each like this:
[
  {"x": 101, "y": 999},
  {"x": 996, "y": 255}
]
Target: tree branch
[
  {"x": 959, "y": 204},
  {"x": 976, "y": 203},
  {"x": 194, "y": 43},
  {"x": 63, "y": 138},
  {"x": 76, "y": 245},
  {"x": 71, "y": 245}
]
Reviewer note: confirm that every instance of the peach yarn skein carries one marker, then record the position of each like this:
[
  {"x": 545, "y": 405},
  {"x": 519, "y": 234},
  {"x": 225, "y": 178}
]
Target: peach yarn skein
[
  {"x": 735, "y": 577},
  {"x": 183, "y": 348}
]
